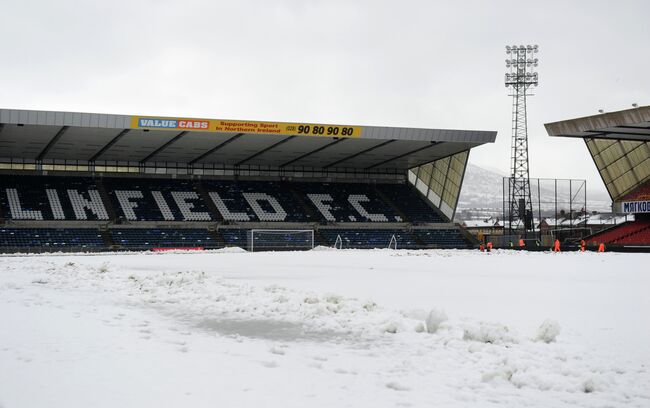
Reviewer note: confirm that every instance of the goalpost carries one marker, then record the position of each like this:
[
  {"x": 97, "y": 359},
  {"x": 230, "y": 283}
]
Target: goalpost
[
  {"x": 338, "y": 244},
  {"x": 393, "y": 243},
  {"x": 280, "y": 240}
]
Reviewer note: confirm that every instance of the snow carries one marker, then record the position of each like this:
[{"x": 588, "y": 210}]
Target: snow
[
  {"x": 548, "y": 331},
  {"x": 325, "y": 329},
  {"x": 435, "y": 319}
]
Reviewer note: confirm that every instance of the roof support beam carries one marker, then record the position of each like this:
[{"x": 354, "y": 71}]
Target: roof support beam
[
  {"x": 164, "y": 146},
  {"x": 217, "y": 147},
  {"x": 359, "y": 153},
  {"x": 381, "y": 163},
  {"x": 273, "y": 146},
  {"x": 623, "y": 131},
  {"x": 638, "y": 137},
  {"x": 51, "y": 143},
  {"x": 639, "y": 126},
  {"x": 108, "y": 145},
  {"x": 302, "y": 156}
]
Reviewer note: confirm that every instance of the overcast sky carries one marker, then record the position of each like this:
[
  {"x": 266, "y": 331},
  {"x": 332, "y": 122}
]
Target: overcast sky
[{"x": 386, "y": 63}]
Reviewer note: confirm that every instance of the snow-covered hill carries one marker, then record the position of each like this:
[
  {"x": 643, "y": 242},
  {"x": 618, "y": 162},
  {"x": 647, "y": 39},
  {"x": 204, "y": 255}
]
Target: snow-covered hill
[{"x": 482, "y": 195}]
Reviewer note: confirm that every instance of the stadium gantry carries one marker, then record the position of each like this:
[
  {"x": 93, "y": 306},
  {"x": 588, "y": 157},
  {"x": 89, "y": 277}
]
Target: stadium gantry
[
  {"x": 619, "y": 143},
  {"x": 85, "y": 181}
]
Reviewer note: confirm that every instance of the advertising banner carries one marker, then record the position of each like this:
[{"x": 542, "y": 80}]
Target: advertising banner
[
  {"x": 631, "y": 207},
  {"x": 247, "y": 127}
]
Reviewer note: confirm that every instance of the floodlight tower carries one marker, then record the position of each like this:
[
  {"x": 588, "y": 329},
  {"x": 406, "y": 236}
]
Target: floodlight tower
[{"x": 519, "y": 78}]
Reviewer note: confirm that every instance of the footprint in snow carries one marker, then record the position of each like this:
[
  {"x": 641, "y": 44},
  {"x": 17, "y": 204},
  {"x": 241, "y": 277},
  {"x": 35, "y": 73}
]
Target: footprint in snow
[{"x": 269, "y": 364}]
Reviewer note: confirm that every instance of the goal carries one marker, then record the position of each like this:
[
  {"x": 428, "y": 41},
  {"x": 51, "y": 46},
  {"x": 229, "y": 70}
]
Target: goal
[{"x": 280, "y": 240}]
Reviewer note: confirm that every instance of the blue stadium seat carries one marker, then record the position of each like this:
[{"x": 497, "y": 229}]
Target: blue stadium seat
[
  {"x": 51, "y": 238},
  {"x": 156, "y": 200},
  {"x": 162, "y": 237},
  {"x": 51, "y": 198},
  {"x": 441, "y": 238},
  {"x": 369, "y": 238}
]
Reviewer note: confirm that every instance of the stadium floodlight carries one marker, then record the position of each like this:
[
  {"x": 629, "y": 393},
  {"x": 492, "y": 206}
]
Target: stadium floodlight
[{"x": 520, "y": 77}]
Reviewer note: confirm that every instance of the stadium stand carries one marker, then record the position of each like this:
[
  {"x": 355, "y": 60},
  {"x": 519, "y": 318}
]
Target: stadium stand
[
  {"x": 619, "y": 144},
  {"x": 369, "y": 238},
  {"x": 40, "y": 198},
  {"x": 122, "y": 182},
  {"x": 51, "y": 198},
  {"x": 162, "y": 238},
  {"x": 136, "y": 200},
  {"x": 416, "y": 209},
  {"x": 641, "y": 193},
  {"x": 255, "y": 201},
  {"x": 156, "y": 200},
  {"x": 235, "y": 237},
  {"x": 630, "y": 233},
  {"x": 442, "y": 238},
  {"x": 52, "y": 238}
]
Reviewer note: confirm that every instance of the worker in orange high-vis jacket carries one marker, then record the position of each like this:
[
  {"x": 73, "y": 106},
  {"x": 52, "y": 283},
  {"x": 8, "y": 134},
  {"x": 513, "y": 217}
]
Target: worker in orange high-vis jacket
[
  {"x": 489, "y": 246},
  {"x": 522, "y": 244},
  {"x": 556, "y": 246},
  {"x": 583, "y": 244},
  {"x": 601, "y": 247}
]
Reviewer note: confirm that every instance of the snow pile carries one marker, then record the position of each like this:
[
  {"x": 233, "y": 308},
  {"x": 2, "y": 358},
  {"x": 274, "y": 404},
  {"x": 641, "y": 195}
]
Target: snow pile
[
  {"x": 323, "y": 248},
  {"x": 548, "y": 331},
  {"x": 435, "y": 318},
  {"x": 492, "y": 333}
]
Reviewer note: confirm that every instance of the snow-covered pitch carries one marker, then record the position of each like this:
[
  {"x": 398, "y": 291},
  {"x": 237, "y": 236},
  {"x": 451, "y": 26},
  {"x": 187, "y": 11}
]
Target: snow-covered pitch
[{"x": 350, "y": 328}]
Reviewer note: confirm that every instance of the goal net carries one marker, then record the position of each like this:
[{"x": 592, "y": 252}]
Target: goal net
[{"x": 280, "y": 240}]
